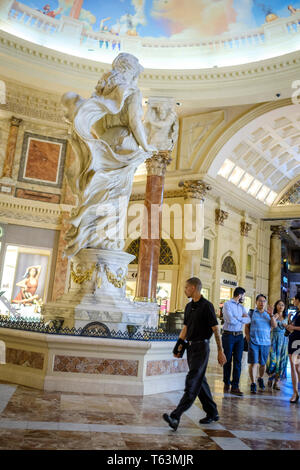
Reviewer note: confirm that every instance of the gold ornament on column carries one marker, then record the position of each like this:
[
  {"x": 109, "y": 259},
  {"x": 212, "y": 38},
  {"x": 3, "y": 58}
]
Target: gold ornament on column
[
  {"x": 220, "y": 216},
  {"x": 194, "y": 189},
  {"x": 277, "y": 231},
  {"x": 157, "y": 164},
  {"x": 116, "y": 280},
  {"x": 79, "y": 277},
  {"x": 245, "y": 228}
]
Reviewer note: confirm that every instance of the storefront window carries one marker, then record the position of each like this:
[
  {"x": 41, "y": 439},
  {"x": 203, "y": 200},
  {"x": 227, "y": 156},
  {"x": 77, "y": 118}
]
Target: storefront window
[
  {"x": 130, "y": 289},
  {"x": 247, "y": 303},
  {"x": 163, "y": 294},
  {"x": 25, "y": 279},
  {"x": 205, "y": 292},
  {"x": 225, "y": 293}
]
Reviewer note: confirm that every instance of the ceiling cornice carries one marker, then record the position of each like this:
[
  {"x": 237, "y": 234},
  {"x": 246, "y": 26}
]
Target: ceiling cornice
[{"x": 248, "y": 83}]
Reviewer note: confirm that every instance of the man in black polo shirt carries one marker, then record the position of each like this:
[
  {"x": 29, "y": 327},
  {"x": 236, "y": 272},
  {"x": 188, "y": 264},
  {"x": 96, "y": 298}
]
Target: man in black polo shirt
[{"x": 200, "y": 322}]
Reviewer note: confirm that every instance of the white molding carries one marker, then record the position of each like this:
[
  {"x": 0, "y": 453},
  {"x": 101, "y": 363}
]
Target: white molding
[
  {"x": 251, "y": 250},
  {"x": 248, "y": 83},
  {"x": 27, "y": 212},
  {"x": 209, "y": 233},
  {"x": 291, "y": 211}
]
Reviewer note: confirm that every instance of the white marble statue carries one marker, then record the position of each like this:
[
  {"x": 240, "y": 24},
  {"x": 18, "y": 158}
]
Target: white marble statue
[
  {"x": 161, "y": 124},
  {"x": 110, "y": 142}
]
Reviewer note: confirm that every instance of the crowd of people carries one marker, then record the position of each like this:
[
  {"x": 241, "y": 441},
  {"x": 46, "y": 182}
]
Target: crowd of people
[{"x": 271, "y": 337}]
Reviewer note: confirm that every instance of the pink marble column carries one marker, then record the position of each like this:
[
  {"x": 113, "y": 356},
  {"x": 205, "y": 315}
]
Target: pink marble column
[
  {"x": 275, "y": 264},
  {"x": 61, "y": 267},
  {"x": 76, "y": 9},
  {"x": 151, "y": 230},
  {"x": 11, "y": 147},
  {"x": 67, "y": 195}
]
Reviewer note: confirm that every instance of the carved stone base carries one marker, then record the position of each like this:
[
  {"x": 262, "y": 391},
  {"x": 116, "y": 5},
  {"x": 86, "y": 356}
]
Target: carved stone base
[{"x": 97, "y": 294}]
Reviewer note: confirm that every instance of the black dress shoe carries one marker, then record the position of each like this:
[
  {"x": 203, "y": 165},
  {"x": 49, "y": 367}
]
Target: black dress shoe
[
  {"x": 209, "y": 419},
  {"x": 172, "y": 422},
  {"x": 236, "y": 391}
]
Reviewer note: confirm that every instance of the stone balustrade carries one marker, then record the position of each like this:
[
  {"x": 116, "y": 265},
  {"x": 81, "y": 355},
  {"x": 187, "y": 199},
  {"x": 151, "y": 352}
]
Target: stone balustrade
[
  {"x": 269, "y": 40},
  {"x": 26, "y": 16}
]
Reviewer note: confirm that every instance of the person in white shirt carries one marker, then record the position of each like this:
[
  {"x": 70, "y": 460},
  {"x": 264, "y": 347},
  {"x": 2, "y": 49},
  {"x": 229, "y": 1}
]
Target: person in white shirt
[{"x": 235, "y": 316}]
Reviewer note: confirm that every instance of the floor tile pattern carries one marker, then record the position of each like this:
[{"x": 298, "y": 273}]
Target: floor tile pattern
[{"x": 35, "y": 419}]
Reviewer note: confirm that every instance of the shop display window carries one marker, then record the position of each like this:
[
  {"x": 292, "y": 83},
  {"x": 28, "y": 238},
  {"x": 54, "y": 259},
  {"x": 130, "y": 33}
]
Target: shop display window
[
  {"x": 205, "y": 292},
  {"x": 225, "y": 293},
  {"x": 25, "y": 278},
  {"x": 163, "y": 294},
  {"x": 247, "y": 303}
]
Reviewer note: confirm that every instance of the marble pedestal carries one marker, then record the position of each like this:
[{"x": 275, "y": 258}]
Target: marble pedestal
[{"x": 96, "y": 293}]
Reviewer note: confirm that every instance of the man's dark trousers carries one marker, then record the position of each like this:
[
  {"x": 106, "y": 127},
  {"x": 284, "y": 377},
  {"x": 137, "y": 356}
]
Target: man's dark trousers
[
  {"x": 195, "y": 383},
  {"x": 233, "y": 348}
]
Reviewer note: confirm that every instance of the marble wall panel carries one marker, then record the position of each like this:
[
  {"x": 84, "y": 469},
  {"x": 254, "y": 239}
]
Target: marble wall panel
[
  {"x": 42, "y": 160},
  {"x": 166, "y": 367},
  {"x": 95, "y": 365},
  {"x": 61, "y": 267},
  {"x": 23, "y": 358},
  {"x": 38, "y": 196}
]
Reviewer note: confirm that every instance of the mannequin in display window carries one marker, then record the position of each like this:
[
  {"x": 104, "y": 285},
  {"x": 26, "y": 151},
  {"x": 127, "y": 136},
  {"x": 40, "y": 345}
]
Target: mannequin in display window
[{"x": 28, "y": 286}]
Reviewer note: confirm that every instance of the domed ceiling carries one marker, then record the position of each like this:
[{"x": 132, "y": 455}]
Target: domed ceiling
[{"x": 162, "y": 33}]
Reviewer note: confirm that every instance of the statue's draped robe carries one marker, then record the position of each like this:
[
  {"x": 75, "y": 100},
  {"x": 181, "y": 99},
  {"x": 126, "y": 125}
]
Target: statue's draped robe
[{"x": 104, "y": 169}]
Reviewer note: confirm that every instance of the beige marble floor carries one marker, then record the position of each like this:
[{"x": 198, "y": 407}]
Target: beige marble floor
[{"x": 34, "y": 419}]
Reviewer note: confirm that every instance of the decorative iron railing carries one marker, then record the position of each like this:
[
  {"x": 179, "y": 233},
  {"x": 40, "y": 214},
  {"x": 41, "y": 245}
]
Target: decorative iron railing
[{"x": 54, "y": 328}]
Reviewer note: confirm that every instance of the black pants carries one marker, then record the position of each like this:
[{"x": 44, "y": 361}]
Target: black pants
[{"x": 196, "y": 383}]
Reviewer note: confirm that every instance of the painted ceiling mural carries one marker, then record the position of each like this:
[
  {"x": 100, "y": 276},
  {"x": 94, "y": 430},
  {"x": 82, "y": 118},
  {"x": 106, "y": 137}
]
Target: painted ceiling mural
[
  {"x": 163, "y": 34},
  {"x": 176, "y": 19}
]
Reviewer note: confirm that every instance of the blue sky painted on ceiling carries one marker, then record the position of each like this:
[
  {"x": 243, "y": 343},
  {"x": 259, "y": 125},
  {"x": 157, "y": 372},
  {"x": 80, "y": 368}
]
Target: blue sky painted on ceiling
[{"x": 166, "y": 18}]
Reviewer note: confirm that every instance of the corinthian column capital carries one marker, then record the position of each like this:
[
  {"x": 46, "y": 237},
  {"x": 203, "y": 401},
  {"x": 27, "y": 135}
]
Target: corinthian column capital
[
  {"x": 194, "y": 189},
  {"x": 245, "y": 228},
  {"x": 221, "y": 216},
  {"x": 157, "y": 164},
  {"x": 277, "y": 231},
  {"x": 14, "y": 121}
]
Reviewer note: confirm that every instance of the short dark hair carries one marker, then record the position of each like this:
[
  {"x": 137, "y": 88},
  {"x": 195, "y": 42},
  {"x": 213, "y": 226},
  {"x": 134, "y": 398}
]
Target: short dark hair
[
  {"x": 260, "y": 295},
  {"x": 238, "y": 291},
  {"x": 297, "y": 296},
  {"x": 195, "y": 281}
]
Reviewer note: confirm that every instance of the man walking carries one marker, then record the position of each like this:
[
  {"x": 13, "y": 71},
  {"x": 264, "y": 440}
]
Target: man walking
[
  {"x": 200, "y": 322},
  {"x": 258, "y": 335},
  {"x": 235, "y": 316}
]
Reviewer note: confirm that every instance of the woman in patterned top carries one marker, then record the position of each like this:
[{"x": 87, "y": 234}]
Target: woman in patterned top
[{"x": 278, "y": 356}]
